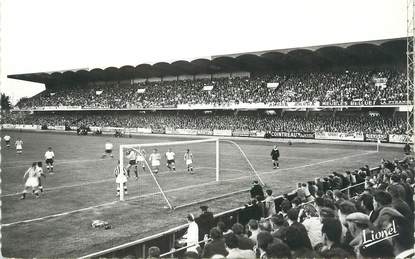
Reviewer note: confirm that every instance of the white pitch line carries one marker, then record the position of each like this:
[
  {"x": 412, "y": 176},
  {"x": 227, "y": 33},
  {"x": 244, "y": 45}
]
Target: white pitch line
[
  {"x": 56, "y": 162},
  {"x": 108, "y": 180},
  {"x": 178, "y": 189}
]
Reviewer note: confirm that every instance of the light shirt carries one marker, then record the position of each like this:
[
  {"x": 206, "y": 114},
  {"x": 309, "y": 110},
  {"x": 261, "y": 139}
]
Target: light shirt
[
  {"x": 192, "y": 236},
  {"x": 49, "y": 155},
  {"x": 108, "y": 146},
  {"x": 131, "y": 155},
  {"x": 170, "y": 155},
  {"x": 7, "y": 138}
]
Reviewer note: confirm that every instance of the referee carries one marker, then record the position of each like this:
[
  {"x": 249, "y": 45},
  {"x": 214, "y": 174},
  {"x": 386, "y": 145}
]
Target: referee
[{"x": 275, "y": 155}]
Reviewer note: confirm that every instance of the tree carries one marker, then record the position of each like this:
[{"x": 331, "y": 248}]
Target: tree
[{"x": 5, "y": 102}]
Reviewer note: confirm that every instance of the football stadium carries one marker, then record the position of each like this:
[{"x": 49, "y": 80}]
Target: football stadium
[{"x": 279, "y": 153}]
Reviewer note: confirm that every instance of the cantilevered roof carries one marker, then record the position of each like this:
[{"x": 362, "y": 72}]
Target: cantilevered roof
[{"x": 352, "y": 53}]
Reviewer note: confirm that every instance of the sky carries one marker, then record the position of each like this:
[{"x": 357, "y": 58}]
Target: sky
[{"x": 50, "y": 35}]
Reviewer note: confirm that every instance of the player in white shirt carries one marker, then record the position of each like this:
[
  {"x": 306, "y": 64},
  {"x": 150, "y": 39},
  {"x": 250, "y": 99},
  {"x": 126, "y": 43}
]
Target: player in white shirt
[
  {"x": 132, "y": 156},
  {"x": 141, "y": 158},
  {"x": 188, "y": 158},
  {"x": 39, "y": 172},
  {"x": 120, "y": 178},
  {"x": 19, "y": 146},
  {"x": 108, "y": 149},
  {"x": 7, "y": 139},
  {"x": 170, "y": 156},
  {"x": 31, "y": 182},
  {"x": 155, "y": 158},
  {"x": 49, "y": 158}
]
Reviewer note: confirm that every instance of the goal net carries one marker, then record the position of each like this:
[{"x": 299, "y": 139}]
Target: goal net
[{"x": 180, "y": 173}]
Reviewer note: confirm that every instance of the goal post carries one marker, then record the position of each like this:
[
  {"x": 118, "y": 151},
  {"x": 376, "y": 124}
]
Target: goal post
[
  {"x": 138, "y": 147},
  {"x": 217, "y": 167}
]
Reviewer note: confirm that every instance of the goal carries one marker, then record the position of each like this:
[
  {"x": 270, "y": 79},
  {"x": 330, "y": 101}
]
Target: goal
[{"x": 178, "y": 185}]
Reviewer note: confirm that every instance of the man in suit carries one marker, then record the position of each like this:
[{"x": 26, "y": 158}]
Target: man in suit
[{"x": 206, "y": 222}]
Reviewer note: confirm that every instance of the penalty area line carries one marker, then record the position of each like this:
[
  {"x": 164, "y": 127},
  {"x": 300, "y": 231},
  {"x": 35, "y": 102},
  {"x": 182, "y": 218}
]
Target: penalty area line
[{"x": 177, "y": 189}]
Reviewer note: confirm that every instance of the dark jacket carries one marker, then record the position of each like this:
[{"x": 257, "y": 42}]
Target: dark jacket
[
  {"x": 214, "y": 247},
  {"x": 275, "y": 154},
  {"x": 256, "y": 190},
  {"x": 205, "y": 222},
  {"x": 245, "y": 243}
]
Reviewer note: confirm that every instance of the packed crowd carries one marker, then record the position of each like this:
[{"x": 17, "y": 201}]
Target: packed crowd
[
  {"x": 363, "y": 87},
  {"x": 287, "y": 122},
  {"x": 325, "y": 218}
]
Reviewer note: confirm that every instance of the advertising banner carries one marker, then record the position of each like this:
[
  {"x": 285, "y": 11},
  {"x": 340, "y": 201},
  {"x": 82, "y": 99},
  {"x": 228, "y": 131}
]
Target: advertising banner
[
  {"x": 8, "y": 126},
  {"x": 398, "y": 138},
  {"x": 260, "y": 134},
  {"x": 170, "y": 130},
  {"x": 62, "y": 128},
  {"x": 222, "y": 132},
  {"x": 205, "y": 132},
  {"x": 241, "y": 133},
  {"x": 186, "y": 131},
  {"x": 340, "y": 136},
  {"x": 112, "y": 129},
  {"x": 93, "y": 128},
  {"x": 144, "y": 130},
  {"x": 158, "y": 131},
  {"x": 304, "y": 135},
  {"x": 374, "y": 137}
]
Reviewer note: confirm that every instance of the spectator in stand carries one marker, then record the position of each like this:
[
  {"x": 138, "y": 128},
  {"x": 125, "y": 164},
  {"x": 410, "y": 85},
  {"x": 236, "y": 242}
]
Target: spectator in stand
[
  {"x": 300, "y": 247},
  {"x": 244, "y": 243},
  {"x": 381, "y": 199},
  {"x": 216, "y": 246},
  {"x": 234, "y": 252},
  {"x": 279, "y": 226},
  {"x": 313, "y": 225},
  {"x": 253, "y": 227},
  {"x": 332, "y": 231},
  {"x": 301, "y": 232},
  {"x": 269, "y": 204}
]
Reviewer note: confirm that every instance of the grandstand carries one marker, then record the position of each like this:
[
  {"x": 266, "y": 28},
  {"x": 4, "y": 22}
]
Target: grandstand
[{"x": 334, "y": 102}]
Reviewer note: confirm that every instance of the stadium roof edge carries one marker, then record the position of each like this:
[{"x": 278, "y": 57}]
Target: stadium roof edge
[
  {"x": 350, "y": 53},
  {"x": 313, "y": 47}
]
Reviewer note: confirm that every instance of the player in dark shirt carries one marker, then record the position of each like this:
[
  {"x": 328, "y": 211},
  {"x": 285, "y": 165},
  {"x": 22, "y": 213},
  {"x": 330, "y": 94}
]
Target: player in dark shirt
[{"x": 275, "y": 155}]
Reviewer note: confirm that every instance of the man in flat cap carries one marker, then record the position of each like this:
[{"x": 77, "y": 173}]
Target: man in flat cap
[
  {"x": 256, "y": 190},
  {"x": 205, "y": 222}
]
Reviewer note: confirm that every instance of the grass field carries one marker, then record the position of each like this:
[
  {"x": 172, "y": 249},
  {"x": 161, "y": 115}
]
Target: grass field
[{"x": 83, "y": 188}]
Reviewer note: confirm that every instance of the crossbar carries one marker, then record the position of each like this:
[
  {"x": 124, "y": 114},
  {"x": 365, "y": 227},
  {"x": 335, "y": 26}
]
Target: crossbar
[{"x": 170, "y": 143}]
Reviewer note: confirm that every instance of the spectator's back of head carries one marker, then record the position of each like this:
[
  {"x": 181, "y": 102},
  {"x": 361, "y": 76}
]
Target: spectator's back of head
[
  {"x": 332, "y": 229},
  {"x": 238, "y": 229},
  {"x": 278, "y": 250},
  {"x": 382, "y": 198},
  {"x": 295, "y": 239},
  {"x": 292, "y": 214},
  {"x": 264, "y": 239},
  {"x": 253, "y": 224},
  {"x": 278, "y": 220},
  {"x": 394, "y": 191},
  {"x": 231, "y": 241},
  {"x": 154, "y": 252},
  {"x": 347, "y": 207},
  {"x": 215, "y": 233},
  {"x": 265, "y": 225},
  {"x": 286, "y": 205}
]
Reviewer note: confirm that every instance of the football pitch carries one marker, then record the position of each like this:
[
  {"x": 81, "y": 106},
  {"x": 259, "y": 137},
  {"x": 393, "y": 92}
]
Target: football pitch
[{"x": 83, "y": 189}]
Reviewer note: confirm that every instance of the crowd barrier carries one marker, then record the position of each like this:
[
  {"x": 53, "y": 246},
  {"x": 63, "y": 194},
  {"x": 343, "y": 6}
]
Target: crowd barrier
[
  {"x": 342, "y": 136},
  {"x": 166, "y": 240}
]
